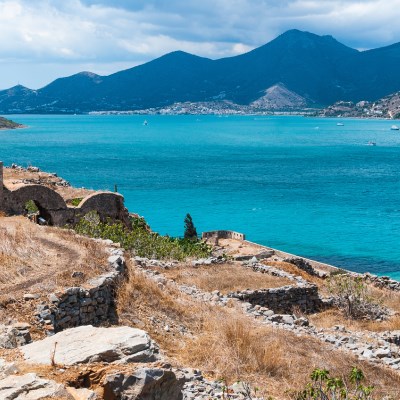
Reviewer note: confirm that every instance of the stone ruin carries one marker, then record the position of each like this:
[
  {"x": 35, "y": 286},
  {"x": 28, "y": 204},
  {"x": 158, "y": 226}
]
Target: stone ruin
[{"x": 53, "y": 207}]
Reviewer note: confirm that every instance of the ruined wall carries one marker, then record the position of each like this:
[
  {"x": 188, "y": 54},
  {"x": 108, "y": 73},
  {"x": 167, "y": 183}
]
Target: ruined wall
[
  {"x": 91, "y": 305},
  {"x": 223, "y": 235},
  {"x": 53, "y": 208},
  {"x": 284, "y": 299}
]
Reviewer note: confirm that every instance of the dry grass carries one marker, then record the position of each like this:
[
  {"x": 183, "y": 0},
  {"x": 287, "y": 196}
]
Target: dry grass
[
  {"x": 225, "y": 278},
  {"x": 292, "y": 269},
  {"x": 32, "y": 256},
  {"x": 222, "y": 342},
  {"x": 274, "y": 360},
  {"x": 385, "y": 297}
]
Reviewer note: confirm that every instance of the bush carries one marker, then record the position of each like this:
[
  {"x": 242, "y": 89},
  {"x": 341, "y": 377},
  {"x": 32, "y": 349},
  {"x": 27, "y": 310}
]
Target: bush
[
  {"x": 324, "y": 387},
  {"x": 31, "y": 207},
  {"x": 140, "y": 240},
  {"x": 75, "y": 202},
  {"x": 353, "y": 297}
]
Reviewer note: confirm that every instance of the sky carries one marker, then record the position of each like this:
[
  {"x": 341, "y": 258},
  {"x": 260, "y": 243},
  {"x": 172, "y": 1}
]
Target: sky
[{"x": 41, "y": 40}]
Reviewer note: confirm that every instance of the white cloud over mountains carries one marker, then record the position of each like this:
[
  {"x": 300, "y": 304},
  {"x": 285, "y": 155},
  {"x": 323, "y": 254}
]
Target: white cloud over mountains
[{"x": 44, "y": 39}]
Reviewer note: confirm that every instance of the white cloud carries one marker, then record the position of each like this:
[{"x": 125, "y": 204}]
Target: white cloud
[{"x": 105, "y": 34}]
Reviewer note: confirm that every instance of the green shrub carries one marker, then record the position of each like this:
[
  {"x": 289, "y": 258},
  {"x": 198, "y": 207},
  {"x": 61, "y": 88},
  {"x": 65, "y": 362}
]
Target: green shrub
[
  {"x": 354, "y": 298},
  {"x": 75, "y": 202},
  {"x": 31, "y": 207},
  {"x": 325, "y": 387},
  {"x": 140, "y": 240}
]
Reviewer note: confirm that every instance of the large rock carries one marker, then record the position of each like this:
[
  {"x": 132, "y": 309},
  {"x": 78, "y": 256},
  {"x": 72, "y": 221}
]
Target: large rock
[
  {"x": 89, "y": 344},
  {"x": 144, "y": 384},
  {"x": 13, "y": 336},
  {"x": 30, "y": 387}
]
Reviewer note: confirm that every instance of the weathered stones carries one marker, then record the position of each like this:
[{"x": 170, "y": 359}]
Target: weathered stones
[
  {"x": 144, "y": 384},
  {"x": 14, "y": 336},
  {"x": 85, "y": 343},
  {"x": 283, "y": 299},
  {"x": 92, "y": 305},
  {"x": 30, "y": 387}
]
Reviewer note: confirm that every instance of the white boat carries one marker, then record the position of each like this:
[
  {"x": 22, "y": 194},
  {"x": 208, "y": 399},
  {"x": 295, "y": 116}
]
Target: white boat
[
  {"x": 394, "y": 128},
  {"x": 145, "y": 122},
  {"x": 340, "y": 124},
  {"x": 370, "y": 143}
]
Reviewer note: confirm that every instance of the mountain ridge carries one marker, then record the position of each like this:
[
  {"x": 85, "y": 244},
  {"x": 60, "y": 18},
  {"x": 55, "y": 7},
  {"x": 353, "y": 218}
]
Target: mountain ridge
[{"x": 319, "y": 69}]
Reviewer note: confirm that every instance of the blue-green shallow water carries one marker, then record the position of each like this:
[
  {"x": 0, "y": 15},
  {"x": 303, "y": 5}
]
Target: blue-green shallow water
[{"x": 321, "y": 193}]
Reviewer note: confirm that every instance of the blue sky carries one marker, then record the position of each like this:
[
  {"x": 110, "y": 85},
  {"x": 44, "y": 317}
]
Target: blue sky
[{"x": 41, "y": 40}]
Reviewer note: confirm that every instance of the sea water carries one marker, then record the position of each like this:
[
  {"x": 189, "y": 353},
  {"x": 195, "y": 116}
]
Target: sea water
[{"x": 303, "y": 185}]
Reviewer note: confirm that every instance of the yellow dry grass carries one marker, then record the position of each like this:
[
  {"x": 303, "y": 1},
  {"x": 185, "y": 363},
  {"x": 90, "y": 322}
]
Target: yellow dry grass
[
  {"x": 225, "y": 278},
  {"x": 274, "y": 360},
  {"x": 387, "y": 298},
  {"x": 292, "y": 269},
  {"x": 224, "y": 343},
  {"x": 35, "y": 258}
]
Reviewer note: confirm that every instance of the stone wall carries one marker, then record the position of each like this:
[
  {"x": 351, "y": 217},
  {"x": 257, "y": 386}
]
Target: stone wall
[
  {"x": 53, "y": 208},
  {"x": 283, "y": 299},
  {"x": 91, "y": 305},
  {"x": 223, "y": 235}
]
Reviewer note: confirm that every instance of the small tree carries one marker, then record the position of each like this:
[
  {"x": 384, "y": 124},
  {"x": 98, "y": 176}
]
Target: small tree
[
  {"x": 190, "y": 229},
  {"x": 354, "y": 298}
]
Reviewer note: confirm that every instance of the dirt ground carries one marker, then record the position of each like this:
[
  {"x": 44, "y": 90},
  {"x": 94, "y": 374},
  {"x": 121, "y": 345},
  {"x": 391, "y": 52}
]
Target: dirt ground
[{"x": 15, "y": 178}]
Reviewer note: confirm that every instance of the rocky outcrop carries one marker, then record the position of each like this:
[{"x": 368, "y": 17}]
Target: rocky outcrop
[
  {"x": 14, "y": 335},
  {"x": 30, "y": 387},
  {"x": 90, "y": 344},
  {"x": 144, "y": 384}
]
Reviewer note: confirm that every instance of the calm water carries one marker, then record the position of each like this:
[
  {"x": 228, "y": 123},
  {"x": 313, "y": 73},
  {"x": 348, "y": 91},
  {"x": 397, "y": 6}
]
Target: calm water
[{"x": 303, "y": 185}]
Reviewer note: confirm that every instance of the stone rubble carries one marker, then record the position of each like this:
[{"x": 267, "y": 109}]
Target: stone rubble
[
  {"x": 369, "y": 346},
  {"x": 12, "y": 336}
]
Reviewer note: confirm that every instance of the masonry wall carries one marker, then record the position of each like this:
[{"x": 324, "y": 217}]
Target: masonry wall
[
  {"x": 284, "y": 299},
  {"x": 53, "y": 208},
  {"x": 78, "y": 306},
  {"x": 223, "y": 235}
]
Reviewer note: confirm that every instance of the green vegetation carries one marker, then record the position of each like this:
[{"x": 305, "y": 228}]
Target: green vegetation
[
  {"x": 31, "y": 207},
  {"x": 354, "y": 297},
  {"x": 75, "y": 202},
  {"x": 324, "y": 387},
  {"x": 190, "y": 229},
  {"x": 140, "y": 240}
]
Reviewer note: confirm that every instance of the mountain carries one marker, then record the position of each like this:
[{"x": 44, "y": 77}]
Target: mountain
[{"x": 306, "y": 68}]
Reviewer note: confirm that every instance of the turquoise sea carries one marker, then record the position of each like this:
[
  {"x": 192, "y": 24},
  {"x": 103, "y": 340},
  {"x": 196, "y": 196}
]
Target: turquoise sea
[{"x": 303, "y": 185}]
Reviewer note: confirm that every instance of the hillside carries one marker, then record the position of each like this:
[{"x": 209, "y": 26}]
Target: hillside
[
  {"x": 100, "y": 311},
  {"x": 8, "y": 124},
  {"x": 314, "y": 70},
  {"x": 387, "y": 107}
]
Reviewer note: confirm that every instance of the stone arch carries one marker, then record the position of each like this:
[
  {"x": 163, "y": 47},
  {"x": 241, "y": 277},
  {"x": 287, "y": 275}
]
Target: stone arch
[
  {"x": 47, "y": 200},
  {"x": 107, "y": 204}
]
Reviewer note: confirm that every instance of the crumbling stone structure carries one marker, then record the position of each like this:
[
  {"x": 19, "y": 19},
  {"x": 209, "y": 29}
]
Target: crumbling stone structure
[
  {"x": 90, "y": 305},
  {"x": 284, "y": 299},
  {"x": 223, "y": 235},
  {"x": 53, "y": 208}
]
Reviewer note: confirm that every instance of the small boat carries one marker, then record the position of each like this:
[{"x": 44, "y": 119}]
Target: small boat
[
  {"x": 394, "y": 128},
  {"x": 145, "y": 122},
  {"x": 339, "y": 124},
  {"x": 370, "y": 143}
]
